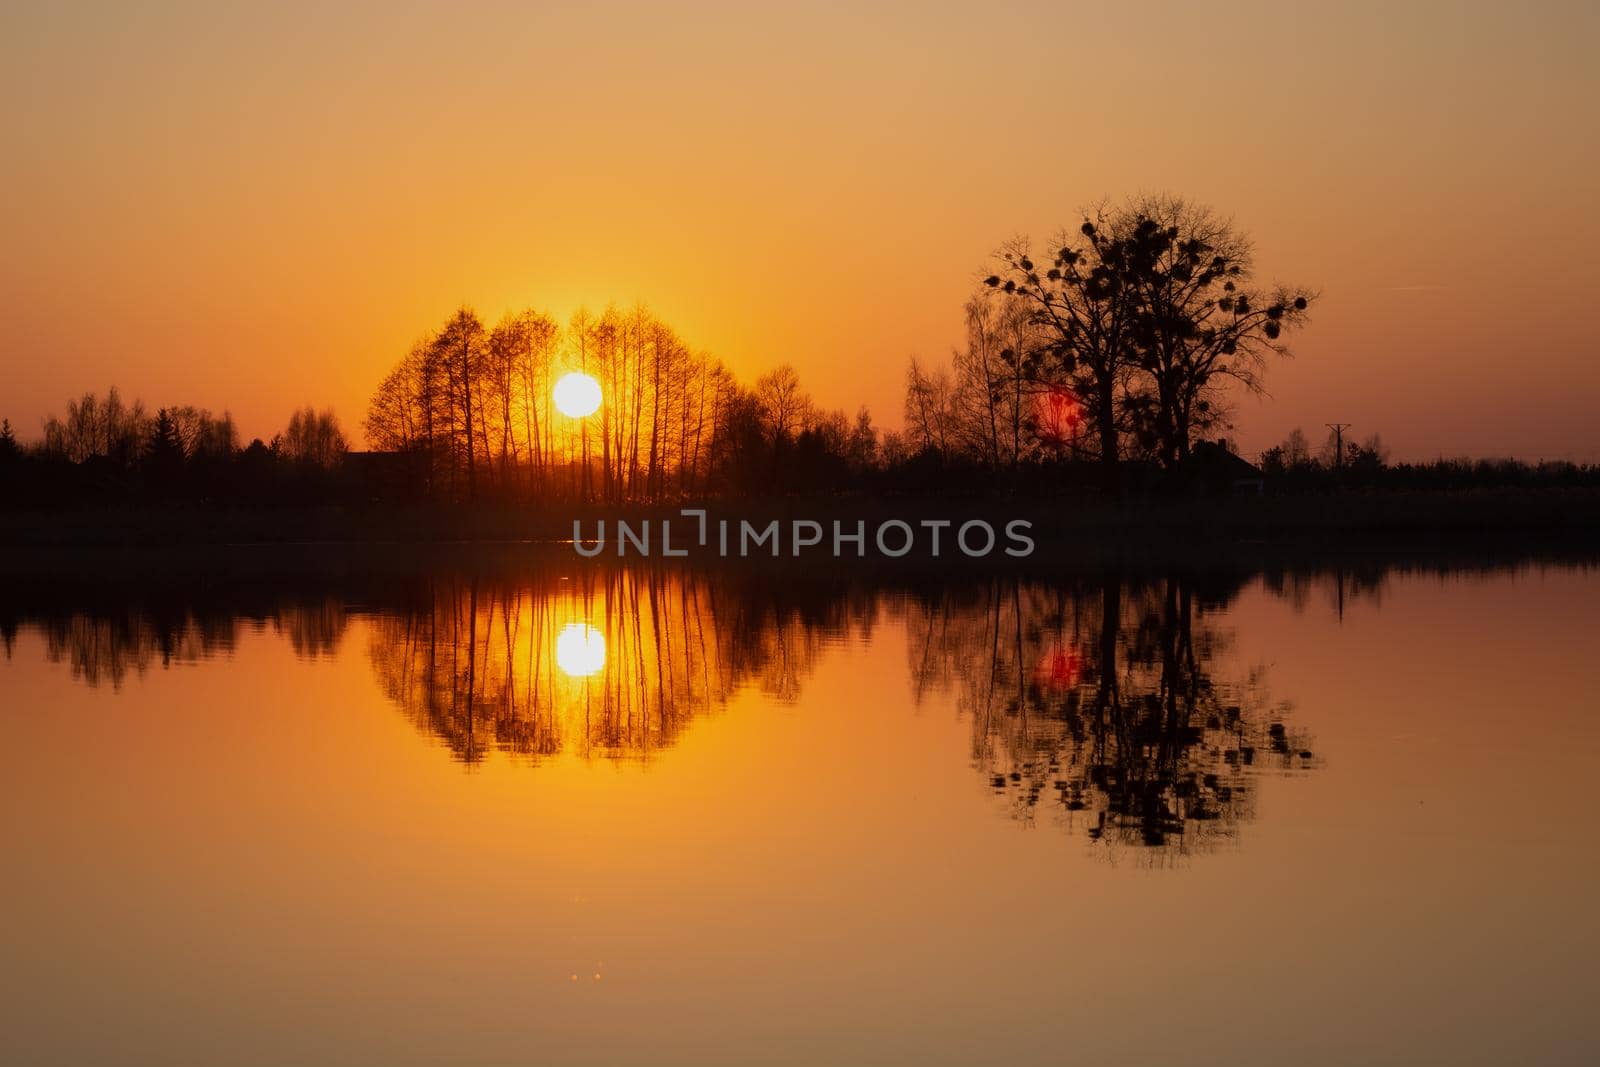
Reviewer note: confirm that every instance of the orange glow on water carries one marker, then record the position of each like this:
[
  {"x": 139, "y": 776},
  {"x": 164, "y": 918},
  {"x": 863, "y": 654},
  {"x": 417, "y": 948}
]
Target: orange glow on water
[{"x": 802, "y": 844}]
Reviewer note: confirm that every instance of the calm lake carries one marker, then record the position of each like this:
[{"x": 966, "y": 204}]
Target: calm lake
[{"x": 566, "y": 814}]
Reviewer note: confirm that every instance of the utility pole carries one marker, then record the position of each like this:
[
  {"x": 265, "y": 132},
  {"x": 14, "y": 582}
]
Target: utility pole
[{"x": 1338, "y": 429}]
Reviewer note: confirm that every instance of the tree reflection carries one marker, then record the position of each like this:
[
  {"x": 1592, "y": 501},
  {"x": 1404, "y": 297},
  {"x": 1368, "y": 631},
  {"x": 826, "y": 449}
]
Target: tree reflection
[
  {"x": 608, "y": 664},
  {"x": 105, "y": 636},
  {"x": 1102, "y": 702},
  {"x": 1113, "y": 704}
]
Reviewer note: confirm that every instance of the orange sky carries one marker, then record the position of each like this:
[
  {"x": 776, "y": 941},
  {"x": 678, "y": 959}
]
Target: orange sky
[{"x": 253, "y": 210}]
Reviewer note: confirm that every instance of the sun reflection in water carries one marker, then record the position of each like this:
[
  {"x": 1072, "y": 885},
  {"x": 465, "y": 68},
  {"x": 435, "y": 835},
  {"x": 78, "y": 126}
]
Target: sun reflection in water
[{"x": 580, "y": 650}]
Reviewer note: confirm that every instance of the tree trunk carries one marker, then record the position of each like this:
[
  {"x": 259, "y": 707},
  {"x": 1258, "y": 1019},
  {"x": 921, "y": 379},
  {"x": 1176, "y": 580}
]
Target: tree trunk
[
  {"x": 466, "y": 392},
  {"x": 1106, "y": 423}
]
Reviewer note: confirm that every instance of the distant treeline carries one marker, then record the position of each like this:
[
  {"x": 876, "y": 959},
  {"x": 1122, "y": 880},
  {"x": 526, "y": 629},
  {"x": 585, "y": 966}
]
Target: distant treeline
[
  {"x": 109, "y": 450},
  {"x": 1107, "y": 362}
]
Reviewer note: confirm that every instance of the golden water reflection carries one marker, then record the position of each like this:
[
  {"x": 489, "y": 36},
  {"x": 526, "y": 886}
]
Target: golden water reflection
[
  {"x": 866, "y": 818},
  {"x": 606, "y": 664},
  {"x": 1109, "y": 704},
  {"x": 580, "y": 650}
]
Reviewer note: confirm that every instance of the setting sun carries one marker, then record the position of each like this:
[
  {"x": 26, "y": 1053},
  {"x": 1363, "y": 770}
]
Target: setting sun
[{"x": 577, "y": 395}]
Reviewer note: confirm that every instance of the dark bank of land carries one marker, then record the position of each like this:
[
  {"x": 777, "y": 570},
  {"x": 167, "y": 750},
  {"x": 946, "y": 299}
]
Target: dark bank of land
[{"x": 1065, "y": 531}]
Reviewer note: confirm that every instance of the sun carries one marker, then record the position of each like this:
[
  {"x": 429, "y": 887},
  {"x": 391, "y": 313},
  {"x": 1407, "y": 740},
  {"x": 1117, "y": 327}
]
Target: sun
[
  {"x": 577, "y": 395},
  {"x": 580, "y": 650}
]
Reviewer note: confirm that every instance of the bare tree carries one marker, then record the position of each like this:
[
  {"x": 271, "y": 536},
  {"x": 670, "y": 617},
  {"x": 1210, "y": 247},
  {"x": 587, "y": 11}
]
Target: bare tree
[
  {"x": 929, "y": 416},
  {"x": 314, "y": 438},
  {"x": 462, "y": 350},
  {"x": 103, "y": 429},
  {"x": 783, "y": 404}
]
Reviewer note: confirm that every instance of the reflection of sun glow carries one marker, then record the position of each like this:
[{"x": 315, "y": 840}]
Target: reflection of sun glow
[
  {"x": 1061, "y": 668},
  {"x": 577, "y": 395},
  {"x": 580, "y": 650}
]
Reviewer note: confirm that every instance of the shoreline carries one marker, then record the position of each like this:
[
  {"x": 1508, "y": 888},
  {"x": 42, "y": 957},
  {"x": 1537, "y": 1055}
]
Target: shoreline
[
  {"x": 1068, "y": 534},
  {"x": 1064, "y": 519}
]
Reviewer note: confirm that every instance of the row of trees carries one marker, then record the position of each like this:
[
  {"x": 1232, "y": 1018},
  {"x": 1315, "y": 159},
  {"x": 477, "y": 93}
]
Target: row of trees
[
  {"x": 1295, "y": 454},
  {"x": 1296, "y": 465},
  {"x": 106, "y": 445},
  {"x": 471, "y": 408},
  {"x": 1121, "y": 341}
]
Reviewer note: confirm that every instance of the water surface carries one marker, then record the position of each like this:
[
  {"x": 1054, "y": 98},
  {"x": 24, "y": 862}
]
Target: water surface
[{"x": 594, "y": 816}]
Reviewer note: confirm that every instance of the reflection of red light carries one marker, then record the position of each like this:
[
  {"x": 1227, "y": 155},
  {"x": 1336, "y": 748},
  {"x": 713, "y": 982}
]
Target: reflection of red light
[
  {"x": 1058, "y": 413},
  {"x": 1061, "y": 668}
]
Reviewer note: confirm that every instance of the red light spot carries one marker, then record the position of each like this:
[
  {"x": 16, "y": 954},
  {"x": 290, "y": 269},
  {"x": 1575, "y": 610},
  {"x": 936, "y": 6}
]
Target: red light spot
[
  {"x": 1061, "y": 668},
  {"x": 1059, "y": 414}
]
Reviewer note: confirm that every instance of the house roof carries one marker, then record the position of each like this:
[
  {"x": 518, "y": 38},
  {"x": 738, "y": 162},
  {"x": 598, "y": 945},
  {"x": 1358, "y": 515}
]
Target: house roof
[{"x": 1212, "y": 459}]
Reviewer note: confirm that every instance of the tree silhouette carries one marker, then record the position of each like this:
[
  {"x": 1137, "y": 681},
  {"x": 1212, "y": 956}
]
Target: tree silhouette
[
  {"x": 1081, "y": 310},
  {"x": 461, "y": 348},
  {"x": 670, "y": 425},
  {"x": 95, "y": 429},
  {"x": 164, "y": 454},
  {"x": 314, "y": 439},
  {"x": 1147, "y": 313}
]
